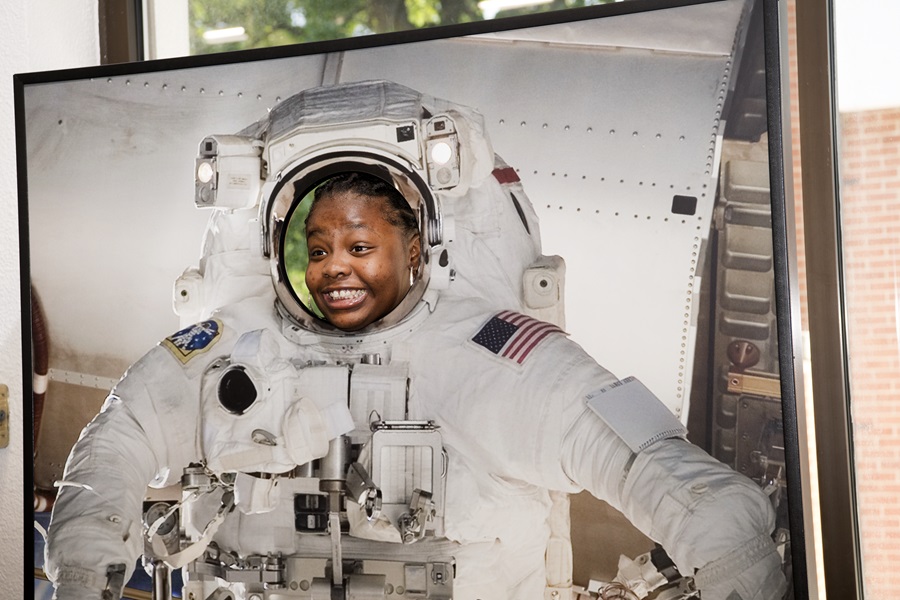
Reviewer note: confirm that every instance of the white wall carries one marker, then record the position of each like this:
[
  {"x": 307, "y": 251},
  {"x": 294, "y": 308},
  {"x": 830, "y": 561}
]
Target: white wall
[
  {"x": 35, "y": 35},
  {"x": 168, "y": 33},
  {"x": 867, "y": 54}
]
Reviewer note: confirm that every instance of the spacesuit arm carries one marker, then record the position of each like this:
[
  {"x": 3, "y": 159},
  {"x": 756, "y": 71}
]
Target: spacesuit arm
[
  {"x": 714, "y": 523},
  {"x": 95, "y": 533}
]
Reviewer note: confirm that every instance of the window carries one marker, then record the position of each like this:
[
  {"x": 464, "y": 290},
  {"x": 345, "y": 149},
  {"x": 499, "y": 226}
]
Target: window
[
  {"x": 190, "y": 27},
  {"x": 868, "y": 144}
]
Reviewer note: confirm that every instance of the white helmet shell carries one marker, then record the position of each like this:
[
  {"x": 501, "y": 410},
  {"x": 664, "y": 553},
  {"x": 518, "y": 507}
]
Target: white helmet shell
[{"x": 479, "y": 232}]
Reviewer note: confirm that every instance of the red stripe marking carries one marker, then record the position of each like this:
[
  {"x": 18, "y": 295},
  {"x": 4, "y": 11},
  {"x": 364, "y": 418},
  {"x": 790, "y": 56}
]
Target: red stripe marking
[
  {"x": 513, "y": 318},
  {"x": 506, "y": 175},
  {"x": 534, "y": 344},
  {"x": 529, "y": 341},
  {"x": 529, "y": 334},
  {"x": 521, "y": 337}
]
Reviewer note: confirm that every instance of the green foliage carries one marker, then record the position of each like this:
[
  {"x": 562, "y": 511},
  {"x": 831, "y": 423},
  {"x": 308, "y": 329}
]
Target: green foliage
[
  {"x": 422, "y": 13},
  {"x": 550, "y": 6},
  {"x": 296, "y": 255},
  {"x": 281, "y": 22}
]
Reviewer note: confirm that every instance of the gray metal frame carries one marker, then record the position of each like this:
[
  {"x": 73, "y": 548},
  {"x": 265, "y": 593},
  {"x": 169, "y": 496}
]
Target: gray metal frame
[{"x": 828, "y": 348}]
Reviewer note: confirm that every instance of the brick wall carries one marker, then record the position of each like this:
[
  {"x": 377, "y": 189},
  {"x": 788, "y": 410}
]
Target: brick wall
[{"x": 870, "y": 210}]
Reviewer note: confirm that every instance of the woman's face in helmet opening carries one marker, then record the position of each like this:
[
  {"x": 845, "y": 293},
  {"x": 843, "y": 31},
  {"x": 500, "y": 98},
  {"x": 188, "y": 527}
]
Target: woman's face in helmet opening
[{"x": 361, "y": 257}]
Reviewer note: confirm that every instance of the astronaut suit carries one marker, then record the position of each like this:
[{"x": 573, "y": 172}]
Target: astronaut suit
[{"x": 418, "y": 458}]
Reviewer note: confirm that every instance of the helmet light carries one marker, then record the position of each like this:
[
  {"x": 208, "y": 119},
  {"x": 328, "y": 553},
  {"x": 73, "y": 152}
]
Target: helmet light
[
  {"x": 228, "y": 172},
  {"x": 441, "y": 153},
  {"x": 205, "y": 171}
]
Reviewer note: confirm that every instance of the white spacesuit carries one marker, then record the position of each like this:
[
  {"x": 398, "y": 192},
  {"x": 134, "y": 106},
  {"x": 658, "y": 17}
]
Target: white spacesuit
[{"x": 414, "y": 459}]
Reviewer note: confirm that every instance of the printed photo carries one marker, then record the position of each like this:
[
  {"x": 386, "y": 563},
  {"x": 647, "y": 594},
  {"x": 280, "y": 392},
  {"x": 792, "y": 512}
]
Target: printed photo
[{"x": 492, "y": 311}]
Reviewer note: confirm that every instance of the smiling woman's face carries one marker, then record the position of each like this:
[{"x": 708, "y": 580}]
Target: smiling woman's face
[{"x": 359, "y": 263}]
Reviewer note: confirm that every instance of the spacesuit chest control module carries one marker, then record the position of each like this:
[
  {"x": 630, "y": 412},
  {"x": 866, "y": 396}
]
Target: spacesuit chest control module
[{"x": 423, "y": 455}]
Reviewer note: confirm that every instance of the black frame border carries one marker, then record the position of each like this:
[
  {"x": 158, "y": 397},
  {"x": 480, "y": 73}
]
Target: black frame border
[{"x": 776, "y": 128}]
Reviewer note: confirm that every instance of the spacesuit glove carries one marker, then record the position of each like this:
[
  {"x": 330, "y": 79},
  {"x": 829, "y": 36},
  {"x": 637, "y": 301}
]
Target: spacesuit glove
[{"x": 751, "y": 572}]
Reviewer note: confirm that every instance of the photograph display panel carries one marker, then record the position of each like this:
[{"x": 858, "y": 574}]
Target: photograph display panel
[{"x": 640, "y": 140}]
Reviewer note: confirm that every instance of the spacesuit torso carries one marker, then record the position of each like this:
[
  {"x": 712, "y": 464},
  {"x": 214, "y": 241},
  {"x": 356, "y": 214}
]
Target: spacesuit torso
[
  {"x": 510, "y": 413},
  {"x": 500, "y": 415}
]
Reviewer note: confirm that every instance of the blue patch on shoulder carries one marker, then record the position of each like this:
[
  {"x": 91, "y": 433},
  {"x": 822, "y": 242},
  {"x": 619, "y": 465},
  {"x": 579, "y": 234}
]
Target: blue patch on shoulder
[{"x": 194, "y": 340}]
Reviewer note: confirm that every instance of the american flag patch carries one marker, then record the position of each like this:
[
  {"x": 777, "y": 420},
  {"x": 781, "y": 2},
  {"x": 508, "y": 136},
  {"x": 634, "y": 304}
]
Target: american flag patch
[{"x": 513, "y": 335}]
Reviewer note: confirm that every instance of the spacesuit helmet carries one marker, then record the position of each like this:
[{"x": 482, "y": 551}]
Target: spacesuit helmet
[
  {"x": 420, "y": 146},
  {"x": 434, "y": 152}
]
